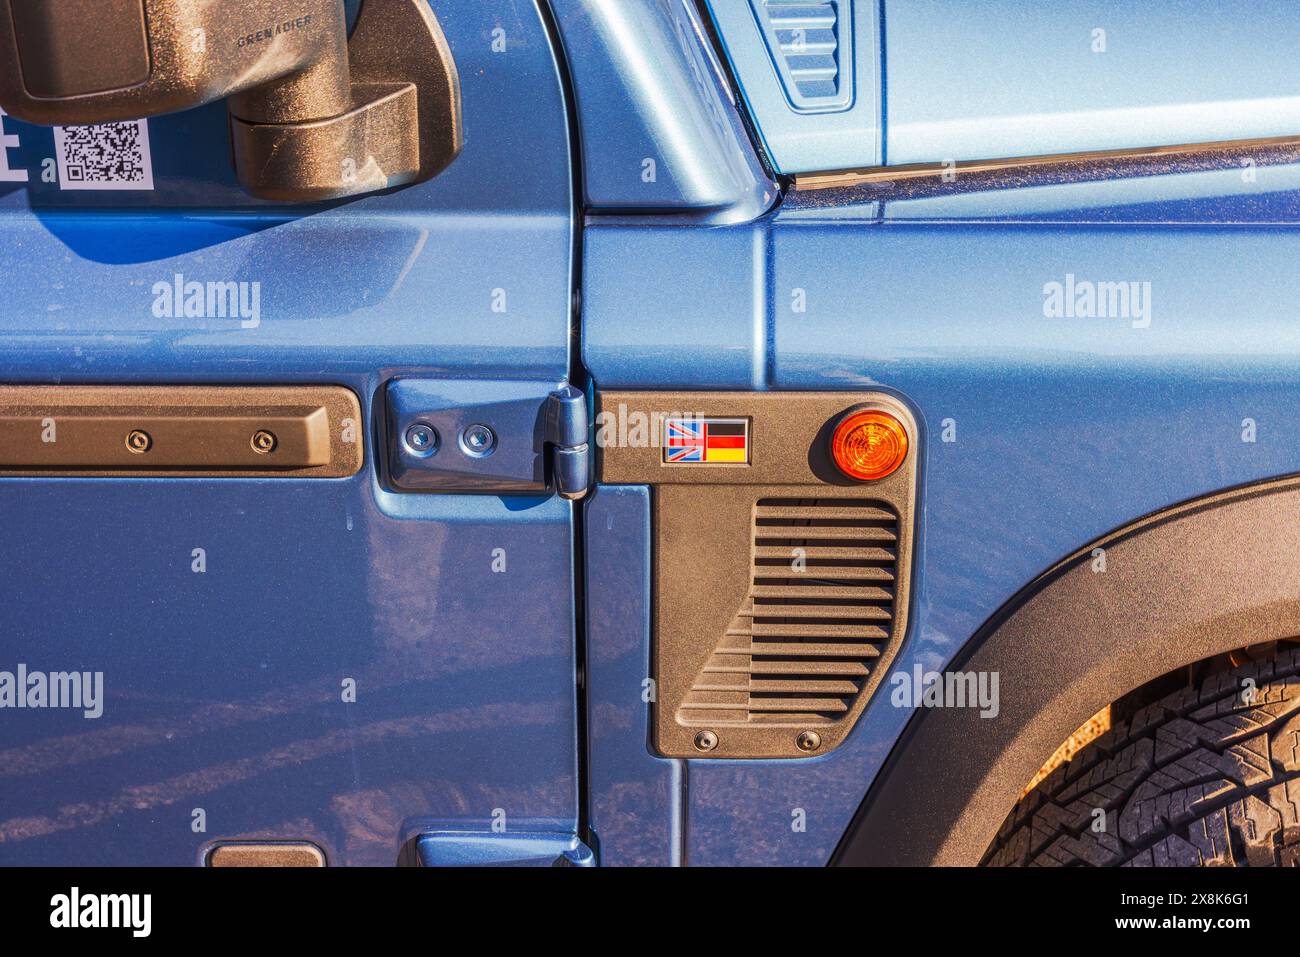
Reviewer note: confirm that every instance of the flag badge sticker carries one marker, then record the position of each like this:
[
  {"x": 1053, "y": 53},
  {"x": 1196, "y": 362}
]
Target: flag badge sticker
[{"x": 706, "y": 442}]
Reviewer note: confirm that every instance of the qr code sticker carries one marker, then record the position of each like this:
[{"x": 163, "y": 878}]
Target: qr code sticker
[{"x": 105, "y": 156}]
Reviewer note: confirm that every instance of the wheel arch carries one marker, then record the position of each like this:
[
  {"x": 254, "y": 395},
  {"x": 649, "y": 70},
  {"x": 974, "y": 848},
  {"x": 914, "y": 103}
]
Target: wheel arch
[{"x": 1182, "y": 585}]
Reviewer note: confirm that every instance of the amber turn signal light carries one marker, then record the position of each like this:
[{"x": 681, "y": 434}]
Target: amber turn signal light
[{"x": 869, "y": 445}]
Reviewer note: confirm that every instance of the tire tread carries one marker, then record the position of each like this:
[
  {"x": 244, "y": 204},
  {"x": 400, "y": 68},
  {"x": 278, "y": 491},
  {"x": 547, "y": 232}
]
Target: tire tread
[{"x": 1201, "y": 777}]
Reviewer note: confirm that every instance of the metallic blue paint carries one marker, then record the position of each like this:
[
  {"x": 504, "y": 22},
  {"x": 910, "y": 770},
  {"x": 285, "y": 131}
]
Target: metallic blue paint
[
  {"x": 224, "y": 690},
  {"x": 1020, "y": 77},
  {"x": 962, "y": 81},
  {"x": 341, "y": 290},
  {"x": 505, "y": 848},
  {"x": 699, "y": 312},
  {"x": 660, "y": 129},
  {"x": 811, "y": 46},
  {"x": 800, "y": 141},
  {"x": 1065, "y": 428},
  {"x": 637, "y": 799},
  {"x": 415, "y": 278}
]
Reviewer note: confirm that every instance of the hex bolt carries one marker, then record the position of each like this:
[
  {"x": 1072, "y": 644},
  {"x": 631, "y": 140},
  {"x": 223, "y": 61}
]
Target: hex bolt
[
  {"x": 421, "y": 439},
  {"x": 706, "y": 741},
  {"x": 808, "y": 741},
  {"x": 138, "y": 441},
  {"x": 263, "y": 442},
  {"x": 478, "y": 440}
]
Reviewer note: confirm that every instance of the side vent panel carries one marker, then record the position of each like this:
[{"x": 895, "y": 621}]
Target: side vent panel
[
  {"x": 811, "y": 42},
  {"x": 818, "y": 616},
  {"x": 780, "y": 585}
]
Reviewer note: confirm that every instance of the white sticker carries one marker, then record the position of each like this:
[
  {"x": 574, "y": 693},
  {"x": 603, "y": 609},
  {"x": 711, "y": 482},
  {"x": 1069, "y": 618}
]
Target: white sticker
[
  {"x": 104, "y": 156},
  {"x": 8, "y": 141}
]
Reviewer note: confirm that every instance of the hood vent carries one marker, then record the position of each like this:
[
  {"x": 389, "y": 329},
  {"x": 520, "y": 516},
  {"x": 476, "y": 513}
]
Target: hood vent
[{"x": 819, "y": 614}]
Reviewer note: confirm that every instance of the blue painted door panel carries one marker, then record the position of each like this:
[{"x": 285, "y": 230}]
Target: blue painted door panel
[
  {"x": 414, "y": 278},
  {"x": 1063, "y": 428},
  {"x": 224, "y": 690}
]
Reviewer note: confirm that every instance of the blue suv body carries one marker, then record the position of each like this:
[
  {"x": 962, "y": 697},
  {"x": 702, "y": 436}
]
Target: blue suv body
[{"x": 1055, "y": 242}]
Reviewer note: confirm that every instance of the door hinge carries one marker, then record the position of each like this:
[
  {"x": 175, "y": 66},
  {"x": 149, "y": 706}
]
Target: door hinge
[
  {"x": 567, "y": 436},
  {"x": 498, "y": 437}
]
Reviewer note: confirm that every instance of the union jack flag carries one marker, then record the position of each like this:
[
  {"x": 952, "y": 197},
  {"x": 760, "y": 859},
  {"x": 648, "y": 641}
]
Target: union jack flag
[{"x": 684, "y": 440}]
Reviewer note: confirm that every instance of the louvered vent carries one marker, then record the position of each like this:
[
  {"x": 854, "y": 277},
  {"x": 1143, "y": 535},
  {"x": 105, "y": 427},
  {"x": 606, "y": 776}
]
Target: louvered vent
[
  {"x": 819, "y": 613},
  {"x": 810, "y": 41}
]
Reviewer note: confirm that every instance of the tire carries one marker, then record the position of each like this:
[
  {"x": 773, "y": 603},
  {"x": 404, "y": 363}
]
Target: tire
[{"x": 1198, "y": 779}]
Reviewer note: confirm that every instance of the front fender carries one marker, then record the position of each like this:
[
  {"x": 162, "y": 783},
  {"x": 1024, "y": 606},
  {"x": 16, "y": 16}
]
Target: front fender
[{"x": 1187, "y": 583}]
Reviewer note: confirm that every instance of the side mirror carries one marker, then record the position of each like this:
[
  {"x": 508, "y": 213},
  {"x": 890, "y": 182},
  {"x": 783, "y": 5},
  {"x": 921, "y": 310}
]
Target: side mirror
[{"x": 314, "y": 115}]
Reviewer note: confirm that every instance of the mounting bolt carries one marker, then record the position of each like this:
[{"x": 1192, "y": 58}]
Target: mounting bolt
[
  {"x": 808, "y": 741},
  {"x": 478, "y": 441},
  {"x": 138, "y": 441},
  {"x": 421, "y": 439},
  {"x": 263, "y": 441},
  {"x": 706, "y": 741}
]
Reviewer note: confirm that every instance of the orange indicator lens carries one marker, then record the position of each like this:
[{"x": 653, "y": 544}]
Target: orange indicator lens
[{"x": 869, "y": 445}]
